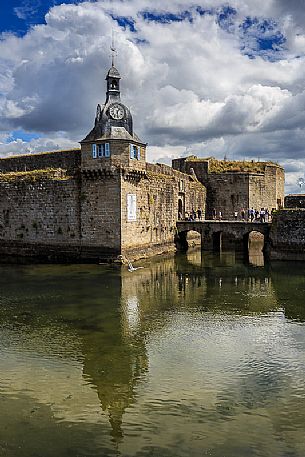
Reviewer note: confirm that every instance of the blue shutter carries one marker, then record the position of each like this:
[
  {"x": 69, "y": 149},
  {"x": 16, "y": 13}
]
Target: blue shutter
[
  {"x": 94, "y": 151},
  {"x": 107, "y": 150},
  {"x": 131, "y": 151},
  {"x": 139, "y": 153}
]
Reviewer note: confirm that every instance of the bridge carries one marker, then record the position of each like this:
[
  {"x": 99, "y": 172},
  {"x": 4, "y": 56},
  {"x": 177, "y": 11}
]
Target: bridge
[{"x": 216, "y": 235}]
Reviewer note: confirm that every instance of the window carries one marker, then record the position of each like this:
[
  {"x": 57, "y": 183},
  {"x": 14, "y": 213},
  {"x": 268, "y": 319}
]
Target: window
[
  {"x": 100, "y": 150},
  {"x": 181, "y": 185},
  {"x": 107, "y": 149},
  {"x": 134, "y": 152}
]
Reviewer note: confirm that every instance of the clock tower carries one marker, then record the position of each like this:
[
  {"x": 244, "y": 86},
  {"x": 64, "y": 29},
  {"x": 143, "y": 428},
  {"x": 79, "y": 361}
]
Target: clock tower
[{"x": 112, "y": 140}]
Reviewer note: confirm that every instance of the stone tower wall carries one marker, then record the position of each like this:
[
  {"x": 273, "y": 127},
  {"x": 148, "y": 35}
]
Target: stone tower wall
[
  {"x": 157, "y": 209},
  {"x": 267, "y": 190},
  {"x": 227, "y": 192},
  {"x": 230, "y": 191},
  {"x": 100, "y": 215},
  {"x": 119, "y": 156}
]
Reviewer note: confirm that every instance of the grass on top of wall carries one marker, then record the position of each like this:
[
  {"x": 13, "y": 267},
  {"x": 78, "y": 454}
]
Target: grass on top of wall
[
  {"x": 241, "y": 166},
  {"x": 35, "y": 154},
  {"x": 55, "y": 174}
]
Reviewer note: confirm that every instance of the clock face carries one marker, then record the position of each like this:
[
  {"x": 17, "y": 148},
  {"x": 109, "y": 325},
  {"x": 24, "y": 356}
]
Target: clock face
[{"x": 116, "y": 111}]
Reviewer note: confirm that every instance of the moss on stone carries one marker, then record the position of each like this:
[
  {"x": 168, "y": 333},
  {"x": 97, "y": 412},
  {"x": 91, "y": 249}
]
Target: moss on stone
[
  {"x": 35, "y": 154},
  {"x": 154, "y": 175},
  {"x": 54, "y": 174},
  {"x": 233, "y": 166}
]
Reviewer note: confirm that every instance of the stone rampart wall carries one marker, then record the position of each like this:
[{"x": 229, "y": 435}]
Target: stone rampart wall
[
  {"x": 157, "y": 208},
  {"x": 295, "y": 201},
  {"x": 200, "y": 168},
  {"x": 287, "y": 235},
  {"x": 267, "y": 190},
  {"x": 49, "y": 214},
  {"x": 227, "y": 192},
  {"x": 43, "y": 211},
  {"x": 230, "y": 191},
  {"x": 67, "y": 160}
]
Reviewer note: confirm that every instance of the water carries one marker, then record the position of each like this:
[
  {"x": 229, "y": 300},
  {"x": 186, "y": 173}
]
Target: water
[{"x": 189, "y": 356}]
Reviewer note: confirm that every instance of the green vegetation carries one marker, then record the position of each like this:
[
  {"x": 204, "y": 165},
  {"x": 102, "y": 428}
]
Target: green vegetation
[
  {"x": 38, "y": 154},
  {"x": 56, "y": 174},
  {"x": 241, "y": 166},
  {"x": 152, "y": 174}
]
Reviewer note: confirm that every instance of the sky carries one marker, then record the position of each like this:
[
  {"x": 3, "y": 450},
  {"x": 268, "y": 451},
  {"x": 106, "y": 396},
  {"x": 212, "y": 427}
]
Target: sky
[{"x": 205, "y": 78}]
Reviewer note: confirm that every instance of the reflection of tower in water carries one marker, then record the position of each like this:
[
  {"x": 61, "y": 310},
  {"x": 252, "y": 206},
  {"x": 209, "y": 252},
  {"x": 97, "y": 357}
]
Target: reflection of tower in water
[
  {"x": 114, "y": 363},
  {"x": 116, "y": 358}
]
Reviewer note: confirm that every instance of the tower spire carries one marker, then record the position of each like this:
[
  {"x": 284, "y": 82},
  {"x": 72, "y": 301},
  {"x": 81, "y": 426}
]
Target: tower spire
[{"x": 113, "y": 50}]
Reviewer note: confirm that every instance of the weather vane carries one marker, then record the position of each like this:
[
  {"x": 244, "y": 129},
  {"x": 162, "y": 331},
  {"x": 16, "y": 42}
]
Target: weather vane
[
  {"x": 113, "y": 49},
  {"x": 301, "y": 182}
]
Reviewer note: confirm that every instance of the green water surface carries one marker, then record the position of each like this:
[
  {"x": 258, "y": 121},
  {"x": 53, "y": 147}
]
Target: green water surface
[{"x": 195, "y": 355}]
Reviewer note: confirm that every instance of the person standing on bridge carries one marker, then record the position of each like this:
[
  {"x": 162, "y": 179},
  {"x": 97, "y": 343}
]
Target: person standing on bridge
[
  {"x": 267, "y": 214},
  {"x": 235, "y": 215},
  {"x": 199, "y": 213},
  {"x": 262, "y": 215},
  {"x": 220, "y": 215},
  {"x": 252, "y": 214},
  {"x": 243, "y": 214},
  {"x": 214, "y": 213}
]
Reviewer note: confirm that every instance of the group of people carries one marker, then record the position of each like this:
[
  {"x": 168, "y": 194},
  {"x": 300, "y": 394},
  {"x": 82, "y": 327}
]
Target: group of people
[
  {"x": 254, "y": 215},
  {"x": 249, "y": 215},
  {"x": 193, "y": 215}
]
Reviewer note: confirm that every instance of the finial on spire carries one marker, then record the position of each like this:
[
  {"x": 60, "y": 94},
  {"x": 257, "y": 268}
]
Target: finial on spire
[{"x": 113, "y": 50}]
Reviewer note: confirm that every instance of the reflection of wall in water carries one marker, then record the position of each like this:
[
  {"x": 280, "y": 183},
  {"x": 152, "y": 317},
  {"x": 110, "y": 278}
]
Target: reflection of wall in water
[{"x": 160, "y": 286}]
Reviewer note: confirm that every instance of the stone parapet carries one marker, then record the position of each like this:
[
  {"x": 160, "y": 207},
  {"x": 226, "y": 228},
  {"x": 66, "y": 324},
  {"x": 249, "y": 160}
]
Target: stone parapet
[
  {"x": 287, "y": 235},
  {"x": 69, "y": 160}
]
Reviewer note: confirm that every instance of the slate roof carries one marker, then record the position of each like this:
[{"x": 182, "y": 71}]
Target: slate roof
[{"x": 113, "y": 73}]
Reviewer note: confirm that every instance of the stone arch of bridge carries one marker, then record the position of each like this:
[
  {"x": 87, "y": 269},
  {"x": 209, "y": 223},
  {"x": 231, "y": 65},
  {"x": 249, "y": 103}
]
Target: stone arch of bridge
[
  {"x": 230, "y": 240},
  {"x": 254, "y": 235},
  {"x": 225, "y": 235},
  {"x": 181, "y": 238}
]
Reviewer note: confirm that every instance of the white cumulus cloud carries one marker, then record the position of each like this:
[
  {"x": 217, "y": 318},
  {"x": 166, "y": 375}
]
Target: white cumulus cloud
[{"x": 190, "y": 83}]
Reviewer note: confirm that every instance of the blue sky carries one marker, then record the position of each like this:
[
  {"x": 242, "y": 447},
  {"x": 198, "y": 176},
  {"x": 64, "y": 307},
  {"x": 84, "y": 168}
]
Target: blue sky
[
  {"x": 18, "y": 16},
  {"x": 207, "y": 77}
]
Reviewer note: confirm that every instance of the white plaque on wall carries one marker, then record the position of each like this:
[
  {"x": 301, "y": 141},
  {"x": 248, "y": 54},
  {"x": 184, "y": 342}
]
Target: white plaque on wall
[{"x": 131, "y": 207}]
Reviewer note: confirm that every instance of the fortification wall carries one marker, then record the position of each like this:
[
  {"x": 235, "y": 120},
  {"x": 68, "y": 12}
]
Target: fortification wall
[
  {"x": 287, "y": 235},
  {"x": 68, "y": 160},
  {"x": 236, "y": 185},
  {"x": 227, "y": 192},
  {"x": 154, "y": 229},
  {"x": 267, "y": 190},
  {"x": 100, "y": 214},
  {"x": 200, "y": 167},
  {"x": 39, "y": 215},
  {"x": 295, "y": 201}
]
